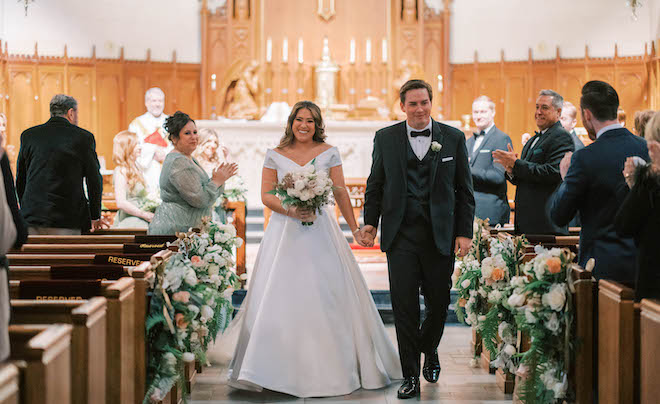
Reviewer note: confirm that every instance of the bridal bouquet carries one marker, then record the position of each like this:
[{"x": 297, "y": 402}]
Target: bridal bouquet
[
  {"x": 149, "y": 201},
  {"x": 304, "y": 188}
]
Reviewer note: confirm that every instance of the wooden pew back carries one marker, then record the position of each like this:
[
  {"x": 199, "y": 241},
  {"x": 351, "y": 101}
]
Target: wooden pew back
[
  {"x": 9, "y": 383},
  {"x": 44, "y": 352},
  {"x": 649, "y": 351},
  {"x": 88, "y": 340}
]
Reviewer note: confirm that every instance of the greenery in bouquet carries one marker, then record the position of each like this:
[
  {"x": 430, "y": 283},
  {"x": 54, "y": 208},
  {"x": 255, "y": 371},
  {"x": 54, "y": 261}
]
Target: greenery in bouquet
[
  {"x": 235, "y": 190},
  {"x": 541, "y": 301},
  {"x": 305, "y": 188},
  {"x": 191, "y": 304},
  {"x": 149, "y": 201}
]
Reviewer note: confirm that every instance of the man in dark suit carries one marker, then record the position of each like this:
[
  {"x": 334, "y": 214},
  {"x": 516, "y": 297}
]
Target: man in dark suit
[
  {"x": 488, "y": 177},
  {"x": 536, "y": 172},
  {"x": 420, "y": 183},
  {"x": 53, "y": 161},
  {"x": 568, "y": 120},
  {"x": 595, "y": 187}
]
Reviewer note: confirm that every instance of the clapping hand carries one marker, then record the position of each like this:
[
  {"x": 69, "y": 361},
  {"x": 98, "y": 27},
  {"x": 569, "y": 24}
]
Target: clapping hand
[
  {"x": 223, "y": 172},
  {"x": 629, "y": 171},
  {"x": 654, "y": 152},
  {"x": 506, "y": 158}
]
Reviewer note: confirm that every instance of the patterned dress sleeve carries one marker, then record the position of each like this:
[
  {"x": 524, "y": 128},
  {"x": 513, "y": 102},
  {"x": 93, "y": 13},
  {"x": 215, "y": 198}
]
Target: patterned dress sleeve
[{"x": 198, "y": 191}]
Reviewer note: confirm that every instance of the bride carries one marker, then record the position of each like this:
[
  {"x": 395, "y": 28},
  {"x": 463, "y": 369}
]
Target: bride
[{"x": 308, "y": 326}]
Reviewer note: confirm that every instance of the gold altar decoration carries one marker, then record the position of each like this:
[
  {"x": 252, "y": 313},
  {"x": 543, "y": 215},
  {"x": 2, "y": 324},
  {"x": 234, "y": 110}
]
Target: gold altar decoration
[
  {"x": 242, "y": 92},
  {"x": 326, "y": 78},
  {"x": 368, "y": 41}
]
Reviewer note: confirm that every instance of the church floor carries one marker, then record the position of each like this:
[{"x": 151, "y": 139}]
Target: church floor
[{"x": 459, "y": 383}]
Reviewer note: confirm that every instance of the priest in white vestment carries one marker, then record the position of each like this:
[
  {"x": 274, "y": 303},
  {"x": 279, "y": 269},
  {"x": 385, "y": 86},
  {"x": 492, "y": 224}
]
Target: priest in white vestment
[{"x": 152, "y": 136}]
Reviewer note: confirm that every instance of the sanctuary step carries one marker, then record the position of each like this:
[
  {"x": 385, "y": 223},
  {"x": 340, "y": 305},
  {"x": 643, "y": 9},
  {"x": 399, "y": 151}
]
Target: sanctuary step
[{"x": 383, "y": 304}]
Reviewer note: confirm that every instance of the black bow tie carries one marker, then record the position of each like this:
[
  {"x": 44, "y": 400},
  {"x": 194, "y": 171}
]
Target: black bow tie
[
  {"x": 425, "y": 133},
  {"x": 482, "y": 133},
  {"x": 538, "y": 133}
]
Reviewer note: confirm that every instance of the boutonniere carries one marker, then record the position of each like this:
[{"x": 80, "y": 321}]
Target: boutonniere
[{"x": 435, "y": 147}]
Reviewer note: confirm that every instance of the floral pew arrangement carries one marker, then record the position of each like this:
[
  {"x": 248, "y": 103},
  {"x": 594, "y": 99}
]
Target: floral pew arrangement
[
  {"x": 542, "y": 302},
  {"x": 191, "y": 304}
]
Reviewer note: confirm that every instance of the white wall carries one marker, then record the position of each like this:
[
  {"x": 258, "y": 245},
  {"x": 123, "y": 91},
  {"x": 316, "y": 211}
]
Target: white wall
[
  {"x": 516, "y": 25},
  {"x": 162, "y": 25},
  {"x": 483, "y": 25}
]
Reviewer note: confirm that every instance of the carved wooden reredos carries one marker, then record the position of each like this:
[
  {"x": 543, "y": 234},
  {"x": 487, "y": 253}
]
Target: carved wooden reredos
[{"x": 245, "y": 30}]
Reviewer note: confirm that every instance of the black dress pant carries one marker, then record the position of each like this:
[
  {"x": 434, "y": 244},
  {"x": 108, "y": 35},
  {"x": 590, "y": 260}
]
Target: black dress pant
[{"x": 412, "y": 266}]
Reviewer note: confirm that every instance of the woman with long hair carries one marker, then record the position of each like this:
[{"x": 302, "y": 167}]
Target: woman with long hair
[
  {"x": 130, "y": 188},
  {"x": 308, "y": 326}
]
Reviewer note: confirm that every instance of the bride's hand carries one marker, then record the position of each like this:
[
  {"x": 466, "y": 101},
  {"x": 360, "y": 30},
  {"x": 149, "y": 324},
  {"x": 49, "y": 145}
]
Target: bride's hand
[{"x": 302, "y": 214}]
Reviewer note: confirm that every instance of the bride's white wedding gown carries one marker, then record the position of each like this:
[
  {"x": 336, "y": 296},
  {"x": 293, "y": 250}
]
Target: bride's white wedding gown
[{"x": 308, "y": 326}]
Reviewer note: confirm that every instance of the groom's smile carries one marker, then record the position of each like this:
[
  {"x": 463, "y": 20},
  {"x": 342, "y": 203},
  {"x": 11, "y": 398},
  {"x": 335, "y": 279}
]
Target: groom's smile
[{"x": 417, "y": 107}]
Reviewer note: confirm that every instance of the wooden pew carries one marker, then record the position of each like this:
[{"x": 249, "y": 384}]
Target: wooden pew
[
  {"x": 582, "y": 370},
  {"x": 238, "y": 217},
  {"x": 649, "y": 351},
  {"x": 9, "y": 383},
  {"x": 618, "y": 336},
  {"x": 88, "y": 340},
  {"x": 123, "y": 232},
  {"x": 86, "y": 239},
  {"x": 43, "y": 356},
  {"x": 120, "y": 335},
  {"x": 142, "y": 276}
]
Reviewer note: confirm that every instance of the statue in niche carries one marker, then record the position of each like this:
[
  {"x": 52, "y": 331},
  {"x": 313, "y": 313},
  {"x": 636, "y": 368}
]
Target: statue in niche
[
  {"x": 242, "y": 92},
  {"x": 407, "y": 71},
  {"x": 242, "y": 8},
  {"x": 409, "y": 11}
]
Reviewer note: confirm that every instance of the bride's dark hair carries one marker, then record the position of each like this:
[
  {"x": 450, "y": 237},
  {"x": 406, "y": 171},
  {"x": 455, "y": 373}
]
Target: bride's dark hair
[{"x": 319, "y": 126}]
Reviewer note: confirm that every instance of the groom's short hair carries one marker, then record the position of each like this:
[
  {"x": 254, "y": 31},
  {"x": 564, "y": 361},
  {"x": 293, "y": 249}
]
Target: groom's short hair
[{"x": 414, "y": 85}]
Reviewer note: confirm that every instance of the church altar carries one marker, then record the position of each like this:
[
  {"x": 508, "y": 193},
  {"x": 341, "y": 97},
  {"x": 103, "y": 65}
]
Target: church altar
[{"x": 248, "y": 141}]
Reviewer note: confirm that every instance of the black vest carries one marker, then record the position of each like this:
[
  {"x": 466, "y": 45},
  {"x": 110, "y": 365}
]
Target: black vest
[{"x": 416, "y": 231}]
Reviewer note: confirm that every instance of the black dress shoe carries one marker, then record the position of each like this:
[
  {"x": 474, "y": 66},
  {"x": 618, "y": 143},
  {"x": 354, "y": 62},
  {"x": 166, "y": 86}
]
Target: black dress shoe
[
  {"x": 409, "y": 388},
  {"x": 431, "y": 369}
]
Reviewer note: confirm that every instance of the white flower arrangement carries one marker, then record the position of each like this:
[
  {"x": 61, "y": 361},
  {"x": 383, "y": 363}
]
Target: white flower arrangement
[{"x": 435, "y": 146}]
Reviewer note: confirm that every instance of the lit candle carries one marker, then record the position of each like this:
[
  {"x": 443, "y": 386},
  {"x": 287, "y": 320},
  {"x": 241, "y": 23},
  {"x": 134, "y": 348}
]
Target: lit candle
[
  {"x": 269, "y": 50},
  {"x": 368, "y": 51},
  {"x": 352, "y": 51},
  {"x": 300, "y": 50},
  {"x": 440, "y": 86},
  {"x": 384, "y": 53},
  {"x": 285, "y": 51}
]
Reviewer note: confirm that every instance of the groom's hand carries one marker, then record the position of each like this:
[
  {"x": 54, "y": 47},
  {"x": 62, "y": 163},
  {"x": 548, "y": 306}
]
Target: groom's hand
[
  {"x": 365, "y": 237},
  {"x": 462, "y": 247}
]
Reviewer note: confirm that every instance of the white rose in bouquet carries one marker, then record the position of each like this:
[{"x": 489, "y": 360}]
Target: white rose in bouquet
[
  {"x": 556, "y": 297},
  {"x": 299, "y": 185},
  {"x": 529, "y": 315},
  {"x": 553, "y": 323},
  {"x": 516, "y": 300}
]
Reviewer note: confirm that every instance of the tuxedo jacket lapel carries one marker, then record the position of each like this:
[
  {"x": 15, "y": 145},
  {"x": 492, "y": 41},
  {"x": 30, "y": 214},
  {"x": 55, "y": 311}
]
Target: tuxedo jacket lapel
[
  {"x": 436, "y": 136},
  {"x": 487, "y": 137},
  {"x": 402, "y": 146}
]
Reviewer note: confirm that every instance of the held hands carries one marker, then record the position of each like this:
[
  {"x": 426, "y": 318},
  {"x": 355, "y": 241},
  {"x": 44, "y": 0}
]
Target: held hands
[
  {"x": 365, "y": 236},
  {"x": 302, "y": 214},
  {"x": 223, "y": 172},
  {"x": 565, "y": 164},
  {"x": 462, "y": 246}
]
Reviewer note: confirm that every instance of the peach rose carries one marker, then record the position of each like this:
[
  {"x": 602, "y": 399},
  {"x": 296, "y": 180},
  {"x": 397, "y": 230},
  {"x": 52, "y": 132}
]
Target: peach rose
[
  {"x": 196, "y": 260},
  {"x": 498, "y": 274},
  {"x": 180, "y": 322},
  {"x": 554, "y": 265},
  {"x": 182, "y": 297},
  {"x": 462, "y": 302}
]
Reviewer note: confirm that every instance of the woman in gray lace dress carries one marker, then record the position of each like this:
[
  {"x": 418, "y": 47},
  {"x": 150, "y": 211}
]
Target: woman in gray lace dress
[{"x": 187, "y": 192}]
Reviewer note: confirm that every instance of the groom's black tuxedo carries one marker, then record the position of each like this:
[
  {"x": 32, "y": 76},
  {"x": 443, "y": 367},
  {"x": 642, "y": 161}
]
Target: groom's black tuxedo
[
  {"x": 424, "y": 205},
  {"x": 451, "y": 199}
]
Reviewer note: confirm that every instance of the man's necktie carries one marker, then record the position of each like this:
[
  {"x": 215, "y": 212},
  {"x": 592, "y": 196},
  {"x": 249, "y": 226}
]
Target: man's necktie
[
  {"x": 482, "y": 133},
  {"x": 425, "y": 133}
]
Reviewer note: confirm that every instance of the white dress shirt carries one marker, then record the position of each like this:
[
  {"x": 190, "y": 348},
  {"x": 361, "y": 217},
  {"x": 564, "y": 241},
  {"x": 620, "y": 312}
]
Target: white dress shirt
[
  {"x": 536, "y": 139},
  {"x": 420, "y": 144},
  {"x": 608, "y": 127},
  {"x": 480, "y": 139}
]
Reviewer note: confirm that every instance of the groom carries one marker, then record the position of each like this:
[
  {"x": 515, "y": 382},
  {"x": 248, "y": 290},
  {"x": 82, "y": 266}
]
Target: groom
[{"x": 420, "y": 183}]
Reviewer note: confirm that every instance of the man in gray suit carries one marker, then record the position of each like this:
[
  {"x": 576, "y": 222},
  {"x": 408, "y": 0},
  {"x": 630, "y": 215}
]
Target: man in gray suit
[
  {"x": 568, "y": 120},
  {"x": 488, "y": 177}
]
